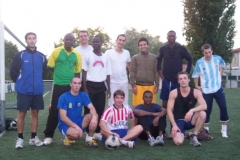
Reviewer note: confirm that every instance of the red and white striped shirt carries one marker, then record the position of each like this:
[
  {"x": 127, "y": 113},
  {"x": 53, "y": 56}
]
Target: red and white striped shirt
[{"x": 117, "y": 118}]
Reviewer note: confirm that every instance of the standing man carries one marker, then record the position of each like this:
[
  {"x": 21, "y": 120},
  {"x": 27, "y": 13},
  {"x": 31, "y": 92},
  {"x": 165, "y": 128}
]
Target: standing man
[
  {"x": 151, "y": 117},
  {"x": 182, "y": 112},
  {"x": 27, "y": 70},
  {"x": 114, "y": 121},
  {"x": 83, "y": 47},
  {"x": 170, "y": 61},
  {"x": 96, "y": 71},
  {"x": 66, "y": 64},
  {"x": 143, "y": 73},
  {"x": 119, "y": 59},
  {"x": 71, "y": 122},
  {"x": 210, "y": 68}
]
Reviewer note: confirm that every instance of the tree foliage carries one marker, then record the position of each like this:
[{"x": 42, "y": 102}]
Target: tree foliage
[
  {"x": 10, "y": 51},
  {"x": 132, "y": 41},
  {"x": 211, "y": 22},
  {"x": 92, "y": 32}
]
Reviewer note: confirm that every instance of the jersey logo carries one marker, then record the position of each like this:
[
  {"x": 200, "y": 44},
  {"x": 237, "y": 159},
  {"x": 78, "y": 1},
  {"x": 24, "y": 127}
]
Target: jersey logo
[
  {"x": 190, "y": 102},
  {"x": 98, "y": 62},
  {"x": 70, "y": 105},
  {"x": 78, "y": 104}
]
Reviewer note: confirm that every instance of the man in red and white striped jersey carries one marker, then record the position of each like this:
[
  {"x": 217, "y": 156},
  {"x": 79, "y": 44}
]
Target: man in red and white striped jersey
[{"x": 114, "y": 121}]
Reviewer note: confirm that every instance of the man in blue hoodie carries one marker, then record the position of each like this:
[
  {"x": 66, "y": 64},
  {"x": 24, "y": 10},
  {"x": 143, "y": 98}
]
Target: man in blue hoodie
[{"x": 27, "y": 71}]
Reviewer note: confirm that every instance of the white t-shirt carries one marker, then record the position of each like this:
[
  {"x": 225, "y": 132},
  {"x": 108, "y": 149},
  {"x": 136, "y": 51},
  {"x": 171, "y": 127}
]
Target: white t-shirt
[
  {"x": 118, "y": 64},
  {"x": 84, "y": 50},
  {"x": 97, "y": 67}
]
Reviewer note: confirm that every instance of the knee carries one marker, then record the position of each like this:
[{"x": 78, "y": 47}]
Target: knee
[
  {"x": 202, "y": 114},
  {"x": 139, "y": 128},
  {"x": 22, "y": 114},
  {"x": 34, "y": 113}
]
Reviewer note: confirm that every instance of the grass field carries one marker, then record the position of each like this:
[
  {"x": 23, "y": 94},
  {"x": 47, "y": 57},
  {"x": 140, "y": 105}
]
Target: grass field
[{"x": 218, "y": 148}]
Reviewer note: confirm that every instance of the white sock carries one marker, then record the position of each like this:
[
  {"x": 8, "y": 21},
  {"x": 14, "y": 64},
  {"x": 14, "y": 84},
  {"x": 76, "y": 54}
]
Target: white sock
[
  {"x": 88, "y": 138},
  {"x": 224, "y": 127},
  {"x": 207, "y": 128},
  {"x": 124, "y": 142}
]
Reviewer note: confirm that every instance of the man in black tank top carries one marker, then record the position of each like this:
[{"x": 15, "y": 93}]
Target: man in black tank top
[{"x": 182, "y": 112}]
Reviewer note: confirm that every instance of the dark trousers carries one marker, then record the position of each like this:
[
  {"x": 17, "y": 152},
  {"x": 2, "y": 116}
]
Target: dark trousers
[
  {"x": 97, "y": 94},
  {"x": 52, "y": 120},
  {"x": 154, "y": 130}
]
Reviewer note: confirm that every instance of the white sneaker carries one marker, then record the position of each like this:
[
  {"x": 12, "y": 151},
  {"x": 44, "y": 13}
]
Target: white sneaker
[
  {"x": 167, "y": 135},
  {"x": 130, "y": 144},
  {"x": 224, "y": 133},
  {"x": 35, "y": 141},
  {"x": 97, "y": 136},
  {"x": 160, "y": 140},
  {"x": 19, "y": 143},
  {"x": 47, "y": 141}
]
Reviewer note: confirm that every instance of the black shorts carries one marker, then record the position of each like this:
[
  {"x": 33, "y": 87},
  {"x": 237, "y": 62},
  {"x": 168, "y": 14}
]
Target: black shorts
[{"x": 25, "y": 102}]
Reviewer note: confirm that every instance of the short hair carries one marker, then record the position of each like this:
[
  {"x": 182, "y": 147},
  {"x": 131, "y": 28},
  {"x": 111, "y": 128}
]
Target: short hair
[
  {"x": 83, "y": 31},
  {"x": 121, "y": 35},
  {"x": 98, "y": 37},
  {"x": 142, "y": 39},
  {"x": 118, "y": 92},
  {"x": 171, "y": 31},
  {"x": 182, "y": 72},
  {"x": 206, "y": 46},
  {"x": 147, "y": 91},
  {"x": 30, "y": 33}
]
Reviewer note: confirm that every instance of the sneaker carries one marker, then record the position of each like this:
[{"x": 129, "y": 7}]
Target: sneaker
[
  {"x": 130, "y": 144},
  {"x": 92, "y": 143},
  {"x": 160, "y": 140},
  {"x": 167, "y": 135},
  {"x": 152, "y": 142},
  {"x": 47, "y": 141},
  {"x": 35, "y": 141},
  {"x": 19, "y": 143},
  {"x": 97, "y": 136},
  {"x": 224, "y": 133},
  {"x": 68, "y": 142},
  {"x": 194, "y": 141}
]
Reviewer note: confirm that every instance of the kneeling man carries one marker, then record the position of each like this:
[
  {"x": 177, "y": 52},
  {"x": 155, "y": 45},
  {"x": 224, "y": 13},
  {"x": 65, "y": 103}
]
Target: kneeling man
[
  {"x": 114, "y": 121},
  {"x": 182, "y": 112},
  {"x": 71, "y": 122}
]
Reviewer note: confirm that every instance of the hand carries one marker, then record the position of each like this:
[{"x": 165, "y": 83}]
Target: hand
[
  {"x": 108, "y": 93},
  {"x": 155, "y": 121},
  {"x": 134, "y": 90},
  {"x": 155, "y": 89},
  {"x": 175, "y": 129},
  {"x": 199, "y": 88},
  {"x": 79, "y": 130},
  {"x": 188, "y": 116}
]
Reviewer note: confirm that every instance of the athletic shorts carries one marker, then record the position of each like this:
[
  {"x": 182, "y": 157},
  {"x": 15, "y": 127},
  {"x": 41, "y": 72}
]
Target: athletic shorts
[
  {"x": 63, "y": 128},
  {"x": 182, "y": 125},
  {"x": 25, "y": 102},
  {"x": 167, "y": 87},
  {"x": 121, "y": 132}
]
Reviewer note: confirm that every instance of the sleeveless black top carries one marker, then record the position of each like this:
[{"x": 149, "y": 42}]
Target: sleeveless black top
[{"x": 183, "y": 104}]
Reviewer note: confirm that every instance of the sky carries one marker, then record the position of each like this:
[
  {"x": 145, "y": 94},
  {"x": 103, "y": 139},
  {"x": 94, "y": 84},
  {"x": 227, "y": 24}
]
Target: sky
[{"x": 52, "y": 19}]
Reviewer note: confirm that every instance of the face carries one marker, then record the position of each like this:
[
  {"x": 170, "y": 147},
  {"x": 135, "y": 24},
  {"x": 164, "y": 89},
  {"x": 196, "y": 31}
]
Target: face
[
  {"x": 183, "y": 80},
  {"x": 118, "y": 100},
  {"x": 96, "y": 43},
  {"x": 207, "y": 53},
  {"x": 121, "y": 41},
  {"x": 75, "y": 84},
  {"x": 143, "y": 46},
  {"x": 83, "y": 37},
  {"x": 69, "y": 40},
  {"x": 171, "y": 37},
  {"x": 147, "y": 98},
  {"x": 31, "y": 41}
]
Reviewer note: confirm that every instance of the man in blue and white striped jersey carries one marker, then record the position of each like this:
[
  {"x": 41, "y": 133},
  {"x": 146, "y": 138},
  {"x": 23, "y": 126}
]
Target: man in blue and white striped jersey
[{"x": 210, "y": 68}]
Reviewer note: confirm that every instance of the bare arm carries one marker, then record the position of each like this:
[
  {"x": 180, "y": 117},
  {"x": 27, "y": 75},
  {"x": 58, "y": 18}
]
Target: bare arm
[
  {"x": 104, "y": 128},
  {"x": 84, "y": 79},
  {"x": 94, "y": 120},
  {"x": 128, "y": 65},
  {"x": 65, "y": 119},
  {"x": 108, "y": 87},
  {"x": 170, "y": 105},
  {"x": 195, "y": 80}
]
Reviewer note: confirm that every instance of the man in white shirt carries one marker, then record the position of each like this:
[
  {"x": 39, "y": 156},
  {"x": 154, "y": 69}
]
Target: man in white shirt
[
  {"x": 83, "y": 47},
  {"x": 119, "y": 59}
]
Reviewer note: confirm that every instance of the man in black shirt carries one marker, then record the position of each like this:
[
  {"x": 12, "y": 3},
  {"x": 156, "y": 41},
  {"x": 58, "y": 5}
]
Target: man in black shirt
[{"x": 182, "y": 112}]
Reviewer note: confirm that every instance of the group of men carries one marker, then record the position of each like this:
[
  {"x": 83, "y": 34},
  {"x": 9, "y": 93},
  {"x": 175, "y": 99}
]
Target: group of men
[{"x": 84, "y": 77}]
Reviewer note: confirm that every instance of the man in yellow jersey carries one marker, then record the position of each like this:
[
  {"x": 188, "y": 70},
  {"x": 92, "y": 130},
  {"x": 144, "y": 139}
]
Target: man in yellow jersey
[
  {"x": 65, "y": 62},
  {"x": 143, "y": 73}
]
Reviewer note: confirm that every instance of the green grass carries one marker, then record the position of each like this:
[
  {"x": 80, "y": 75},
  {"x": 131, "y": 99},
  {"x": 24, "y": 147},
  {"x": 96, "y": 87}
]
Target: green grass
[{"x": 218, "y": 148}]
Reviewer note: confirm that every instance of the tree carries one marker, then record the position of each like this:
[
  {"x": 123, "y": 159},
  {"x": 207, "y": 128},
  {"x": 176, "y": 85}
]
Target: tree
[
  {"x": 209, "y": 21},
  {"x": 10, "y": 51},
  {"x": 92, "y": 32},
  {"x": 132, "y": 41}
]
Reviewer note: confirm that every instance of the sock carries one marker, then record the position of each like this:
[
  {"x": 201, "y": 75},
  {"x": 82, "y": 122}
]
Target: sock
[
  {"x": 207, "y": 128},
  {"x": 88, "y": 138},
  {"x": 124, "y": 142},
  {"x": 20, "y": 135},
  {"x": 33, "y": 135},
  {"x": 224, "y": 127},
  {"x": 150, "y": 136}
]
